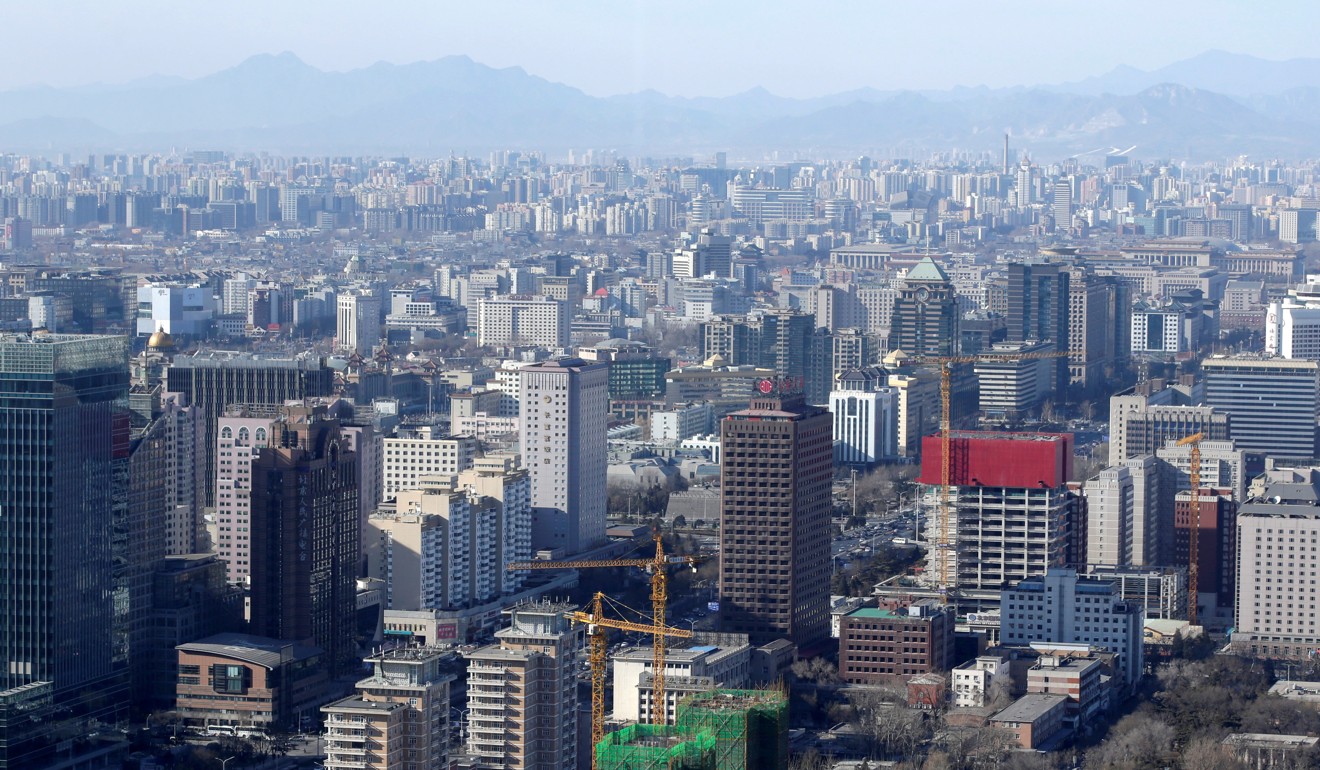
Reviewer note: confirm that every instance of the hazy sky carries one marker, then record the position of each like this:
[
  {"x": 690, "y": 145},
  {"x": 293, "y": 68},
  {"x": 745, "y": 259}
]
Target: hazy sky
[{"x": 684, "y": 47}]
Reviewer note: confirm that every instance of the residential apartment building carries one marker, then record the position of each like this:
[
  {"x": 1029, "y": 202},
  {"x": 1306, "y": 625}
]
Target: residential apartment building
[
  {"x": 522, "y": 692},
  {"x": 421, "y": 452}
]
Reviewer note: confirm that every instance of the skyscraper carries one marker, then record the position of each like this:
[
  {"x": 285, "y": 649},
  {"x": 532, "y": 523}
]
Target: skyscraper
[
  {"x": 565, "y": 407},
  {"x": 775, "y": 474},
  {"x": 358, "y": 329},
  {"x": 305, "y": 535},
  {"x": 217, "y": 380},
  {"x": 1038, "y": 305},
  {"x": 66, "y": 442},
  {"x": 1272, "y": 403},
  {"x": 925, "y": 317}
]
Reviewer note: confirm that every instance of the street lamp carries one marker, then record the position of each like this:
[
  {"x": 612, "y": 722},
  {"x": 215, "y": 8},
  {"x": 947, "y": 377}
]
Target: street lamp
[{"x": 224, "y": 763}]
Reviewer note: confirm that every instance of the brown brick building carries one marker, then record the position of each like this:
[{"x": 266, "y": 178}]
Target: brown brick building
[
  {"x": 776, "y": 468},
  {"x": 877, "y": 646}
]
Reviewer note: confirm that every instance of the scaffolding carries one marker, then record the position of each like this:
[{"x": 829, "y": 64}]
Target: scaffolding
[
  {"x": 750, "y": 727},
  {"x": 655, "y": 747}
]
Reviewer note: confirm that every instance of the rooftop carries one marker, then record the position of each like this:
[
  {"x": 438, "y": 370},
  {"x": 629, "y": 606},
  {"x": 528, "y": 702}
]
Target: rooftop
[
  {"x": 257, "y": 650},
  {"x": 1029, "y": 708}
]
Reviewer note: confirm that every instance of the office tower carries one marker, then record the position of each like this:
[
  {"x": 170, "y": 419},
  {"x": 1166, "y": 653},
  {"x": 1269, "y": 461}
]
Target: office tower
[
  {"x": 1278, "y": 612},
  {"x": 865, "y": 412},
  {"x": 305, "y": 535},
  {"x": 1214, "y": 525},
  {"x": 65, "y": 419},
  {"x": 523, "y": 320},
  {"x": 1024, "y": 185},
  {"x": 1090, "y": 328},
  {"x": 565, "y": 407},
  {"x": 1139, "y": 426},
  {"x": 636, "y": 373},
  {"x": 1297, "y": 225},
  {"x": 216, "y": 380},
  {"x": 1292, "y": 324},
  {"x": 1272, "y": 403},
  {"x": 1061, "y": 203},
  {"x": 522, "y": 692},
  {"x": 1011, "y": 388},
  {"x": 185, "y": 476},
  {"x": 1038, "y": 310},
  {"x": 775, "y": 473},
  {"x": 1013, "y": 515},
  {"x": 925, "y": 317},
  {"x": 419, "y": 452},
  {"x": 403, "y": 707},
  {"x": 1123, "y": 506},
  {"x": 358, "y": 330},
  {"x": 1061, "y": 608}
]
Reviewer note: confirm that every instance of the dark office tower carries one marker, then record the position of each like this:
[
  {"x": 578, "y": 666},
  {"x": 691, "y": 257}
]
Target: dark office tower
[
  {"x": 216, "y": 380},
  {"x": 716, "y": 252},
  {"x": 306, "y": 535},
  {"x": 64, "y": 436},
  {"x": 775, "y": 477},
  {"x": 1038, "y": 305},
  {"x": 925, "y": 318}
]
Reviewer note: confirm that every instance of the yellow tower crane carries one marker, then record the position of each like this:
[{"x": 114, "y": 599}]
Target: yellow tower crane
[
  {"x": 598, "y": 656},
  {"x": 657, "y": 566},
  {"x": 945, "y": 510},
  {"x": 1193, "y": 523}
]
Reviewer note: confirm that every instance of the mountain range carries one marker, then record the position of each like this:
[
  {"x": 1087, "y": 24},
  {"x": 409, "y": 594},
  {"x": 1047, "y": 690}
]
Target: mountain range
[{"x": 1214, "y": 105}]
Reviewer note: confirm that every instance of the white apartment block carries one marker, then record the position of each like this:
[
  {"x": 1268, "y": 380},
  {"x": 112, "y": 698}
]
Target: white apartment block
[
  {"x": 1122, "y": 519},
  {"x": 420, "y": 453},
  {"x": 1060, "y": 607},
  {"x": 565, "y": 410},
  {"x": 972, "y": 680},
  {"x": 240, "y": 438},
  {"x": 358, "y": 329},
  {"x": 866, "y": 412},
  {"x": 523, "y": 320},
  {"x": 498, "y": 476}
]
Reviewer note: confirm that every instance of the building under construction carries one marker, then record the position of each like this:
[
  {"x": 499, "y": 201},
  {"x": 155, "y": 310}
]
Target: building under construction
[{"x": 715, "y": 730}]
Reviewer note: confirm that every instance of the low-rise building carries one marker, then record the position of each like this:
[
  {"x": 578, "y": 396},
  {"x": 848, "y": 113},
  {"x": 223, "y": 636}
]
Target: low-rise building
[
  {"x": 708, "y": 661},
  {"x": 973, "y": 679},
  {"x": 1033, "y": 719},
  {"x": 240, "y": 680},
  {"x": 879, "y": 645},
  {"x": 1077, "y": 678}
]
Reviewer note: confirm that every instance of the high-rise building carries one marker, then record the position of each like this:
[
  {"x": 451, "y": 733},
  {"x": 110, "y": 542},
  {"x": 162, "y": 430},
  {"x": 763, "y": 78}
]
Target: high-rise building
[
  {"x": 214, "y": 381},
  {"x": 925, "y": 316},
  {"x": 565, "y": 407},
  {"x": 1292, "y": 324},
  {"x": 1061, "y": 203},
  {"x": 1039, "y": 296},
  {"x": 1013, "y": 514},
  {"x": 305, "y": 534},
  {"x": 1123, "y": 506},
  {"x": 498, "y": 476},
  {"x": 1272, "y": 403},
  {"x": 62, "y": 464},
  {"x": 522, "y": 692},
  {"x": 1059, "y": 607},
  {"x": 399, "y": 718},
  {"x": 358, "y": 330},
  {"x": 865, "y": 413},
  {"x": 1139, "y": 426},
  {"x": 775, "y": 473}
]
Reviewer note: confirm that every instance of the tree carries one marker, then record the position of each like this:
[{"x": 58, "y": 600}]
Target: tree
[{"x": 1210, "y": 754}]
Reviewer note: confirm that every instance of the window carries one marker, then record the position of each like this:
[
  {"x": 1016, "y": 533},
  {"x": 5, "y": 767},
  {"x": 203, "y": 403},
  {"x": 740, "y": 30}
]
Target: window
[{"x": 230, "y": 679}]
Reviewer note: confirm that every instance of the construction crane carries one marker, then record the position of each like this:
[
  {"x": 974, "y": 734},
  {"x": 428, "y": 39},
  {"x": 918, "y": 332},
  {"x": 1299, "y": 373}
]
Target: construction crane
[
  {"x": 657, "y": 566},
  {"x": 945, "y": 509},
  {"x": 1194, "y": 523},
  {"x": 598, "y": 656}
]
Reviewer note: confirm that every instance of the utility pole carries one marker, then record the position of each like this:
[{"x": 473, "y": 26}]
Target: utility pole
[{"x": 854, "y": 493}]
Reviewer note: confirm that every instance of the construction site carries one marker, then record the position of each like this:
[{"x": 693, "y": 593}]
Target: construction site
[{"x": 715, "y": 730}]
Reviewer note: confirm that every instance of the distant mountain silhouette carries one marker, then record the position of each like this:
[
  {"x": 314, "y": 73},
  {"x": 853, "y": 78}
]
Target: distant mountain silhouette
[{"x": 281, "y": 104}]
